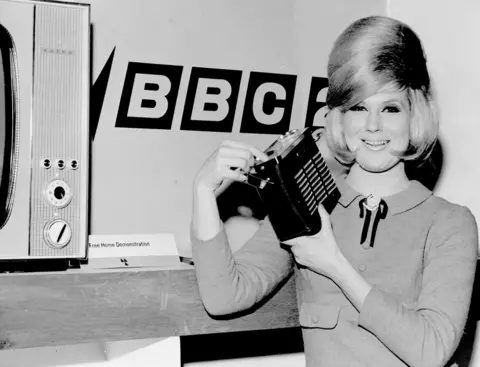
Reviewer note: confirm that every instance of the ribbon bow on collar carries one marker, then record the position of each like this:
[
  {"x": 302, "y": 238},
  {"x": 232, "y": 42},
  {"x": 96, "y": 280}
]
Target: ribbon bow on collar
[{"x": 367, "y": 206}]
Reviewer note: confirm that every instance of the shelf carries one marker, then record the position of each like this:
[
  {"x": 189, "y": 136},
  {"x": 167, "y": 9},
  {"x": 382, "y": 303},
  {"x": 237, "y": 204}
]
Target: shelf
[
  {"x": 79, "y": 306},
  {"x": 90, "y": 306}
]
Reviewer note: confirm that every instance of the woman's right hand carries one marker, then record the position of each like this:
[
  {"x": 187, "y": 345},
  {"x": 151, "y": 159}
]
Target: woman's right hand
[{"x": 230, "y": 161}]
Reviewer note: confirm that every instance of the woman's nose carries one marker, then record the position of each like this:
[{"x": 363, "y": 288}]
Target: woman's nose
[{"x": 374, "y": 122}]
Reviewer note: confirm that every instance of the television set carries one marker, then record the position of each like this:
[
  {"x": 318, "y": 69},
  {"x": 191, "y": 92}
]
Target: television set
[{"x": 44, "y": 129}]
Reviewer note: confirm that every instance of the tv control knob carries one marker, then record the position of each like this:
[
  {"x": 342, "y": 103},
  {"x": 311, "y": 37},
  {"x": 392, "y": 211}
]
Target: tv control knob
[
  {"x": 58, "y": 193},
  {"x": 58, "y": 233}
]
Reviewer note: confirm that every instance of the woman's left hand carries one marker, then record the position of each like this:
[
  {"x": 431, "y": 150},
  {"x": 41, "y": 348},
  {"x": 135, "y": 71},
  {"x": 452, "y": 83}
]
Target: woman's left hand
[{"x": 320, "y": 252}]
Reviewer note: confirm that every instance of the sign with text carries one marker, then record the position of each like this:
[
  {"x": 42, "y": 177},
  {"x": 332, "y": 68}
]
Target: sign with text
[{"x": 125, "y": 245}]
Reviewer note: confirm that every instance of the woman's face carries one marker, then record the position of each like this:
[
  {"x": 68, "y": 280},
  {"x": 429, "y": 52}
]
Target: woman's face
[{"x": 378, "y": 129}]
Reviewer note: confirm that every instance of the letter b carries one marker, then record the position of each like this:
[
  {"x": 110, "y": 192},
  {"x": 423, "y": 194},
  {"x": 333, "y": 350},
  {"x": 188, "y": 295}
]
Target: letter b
[
  {"x": 211, "y": 100},
  {"x": 149, "y": 96}
]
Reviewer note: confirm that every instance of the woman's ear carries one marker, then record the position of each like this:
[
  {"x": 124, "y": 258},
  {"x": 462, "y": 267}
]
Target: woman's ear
[{"x": 320, "y": 118}]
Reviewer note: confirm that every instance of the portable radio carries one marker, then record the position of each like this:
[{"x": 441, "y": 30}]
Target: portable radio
[{"x": 293, "y": 183}]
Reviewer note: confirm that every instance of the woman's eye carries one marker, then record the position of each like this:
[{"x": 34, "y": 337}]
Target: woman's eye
[
  {"x": 391, "y": 109},
  {"x": 357, "y": 108}
]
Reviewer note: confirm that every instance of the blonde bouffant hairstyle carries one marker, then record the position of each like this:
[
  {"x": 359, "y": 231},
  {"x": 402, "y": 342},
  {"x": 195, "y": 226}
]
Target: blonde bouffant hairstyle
[{"x": 372, "y": 55}]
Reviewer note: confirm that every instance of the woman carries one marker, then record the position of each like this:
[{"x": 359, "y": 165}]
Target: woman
[{"x": 388, "y": 280}]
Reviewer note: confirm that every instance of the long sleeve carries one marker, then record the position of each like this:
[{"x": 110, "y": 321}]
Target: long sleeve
[
  {"x": 428, "y": 334},
  {"x": 233, "y": 282}
]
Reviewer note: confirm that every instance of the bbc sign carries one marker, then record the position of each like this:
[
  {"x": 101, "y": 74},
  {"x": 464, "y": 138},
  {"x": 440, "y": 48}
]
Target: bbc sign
[{"x": 150, "y": 93}]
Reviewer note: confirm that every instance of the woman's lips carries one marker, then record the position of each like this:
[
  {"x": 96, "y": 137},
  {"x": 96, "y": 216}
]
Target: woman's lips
[{"x": 375, "y": 144}]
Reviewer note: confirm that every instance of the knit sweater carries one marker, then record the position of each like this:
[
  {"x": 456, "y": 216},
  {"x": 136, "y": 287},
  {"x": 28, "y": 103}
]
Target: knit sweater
[{"x": 421, "y": 268}]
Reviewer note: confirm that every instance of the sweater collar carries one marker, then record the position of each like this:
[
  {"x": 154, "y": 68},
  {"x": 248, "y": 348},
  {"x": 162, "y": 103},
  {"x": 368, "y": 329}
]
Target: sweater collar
[{"x": 414, "y": 195}]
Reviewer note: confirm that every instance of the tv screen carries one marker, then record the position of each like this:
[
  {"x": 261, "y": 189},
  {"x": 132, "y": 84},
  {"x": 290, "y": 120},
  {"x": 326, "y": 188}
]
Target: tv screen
[{"x": 8, "y": 123}]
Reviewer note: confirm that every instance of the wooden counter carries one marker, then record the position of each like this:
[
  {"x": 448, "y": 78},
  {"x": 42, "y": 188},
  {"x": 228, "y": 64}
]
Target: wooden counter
[
  {"x": 85, "y": 306},
  {"x": 79, "y": 306}
]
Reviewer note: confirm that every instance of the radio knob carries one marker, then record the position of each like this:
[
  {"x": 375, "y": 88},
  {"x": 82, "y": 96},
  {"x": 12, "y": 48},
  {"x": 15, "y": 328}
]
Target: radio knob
[
  {"x": 58, "y": 233},
  {"x": 290, "y": 135}
]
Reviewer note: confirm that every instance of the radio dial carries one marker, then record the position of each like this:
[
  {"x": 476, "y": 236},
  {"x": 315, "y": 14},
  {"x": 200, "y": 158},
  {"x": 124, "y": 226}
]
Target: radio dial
[{"x": 58, "y": 233}]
